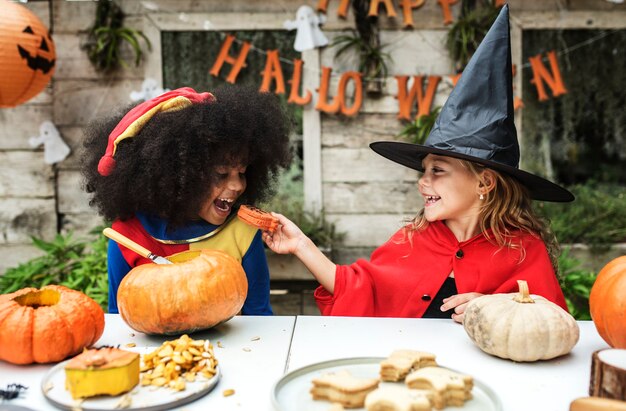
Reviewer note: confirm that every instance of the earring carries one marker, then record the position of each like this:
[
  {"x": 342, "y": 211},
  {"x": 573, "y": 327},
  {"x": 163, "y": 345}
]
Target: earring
[{"x": 481, "y": 197}]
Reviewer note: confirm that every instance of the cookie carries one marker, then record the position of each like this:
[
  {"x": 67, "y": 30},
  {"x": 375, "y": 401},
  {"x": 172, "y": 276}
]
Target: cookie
[
  {"x": 449, "y": 388},
  {"x": 258, "y": 218},
  {"x": 398, "y": 398},
  {"x": 401, "y": 362},
  {"x": 343, "y": 388}
]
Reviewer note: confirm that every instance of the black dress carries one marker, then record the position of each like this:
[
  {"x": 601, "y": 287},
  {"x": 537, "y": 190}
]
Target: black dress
[{"x": 447, "y": 289}]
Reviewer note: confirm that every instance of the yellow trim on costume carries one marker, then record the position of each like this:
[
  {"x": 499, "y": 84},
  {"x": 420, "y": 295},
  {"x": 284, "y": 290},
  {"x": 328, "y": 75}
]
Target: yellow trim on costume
[
  {"x": 235, "y": 239},
  {"x": 196, "y": 239},
  {"x": 173, "y": 104}
]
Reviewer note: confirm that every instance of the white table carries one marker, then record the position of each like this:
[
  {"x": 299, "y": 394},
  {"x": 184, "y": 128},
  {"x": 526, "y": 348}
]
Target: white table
[
  {"x": 288, "y": 343},
  {"x": 545, "y": 385},
  {"x": 250, "y": 373}
]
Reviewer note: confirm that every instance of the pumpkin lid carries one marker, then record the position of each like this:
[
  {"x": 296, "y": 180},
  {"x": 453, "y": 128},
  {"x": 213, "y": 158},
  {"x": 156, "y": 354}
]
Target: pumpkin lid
[{"x": 102, "y": 358}]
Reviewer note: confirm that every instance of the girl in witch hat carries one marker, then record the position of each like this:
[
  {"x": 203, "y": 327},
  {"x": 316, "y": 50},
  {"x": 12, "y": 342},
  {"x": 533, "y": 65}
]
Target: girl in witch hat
[
  {"x": 172, "y": 172},
  {"x": 477, "y": 233}
]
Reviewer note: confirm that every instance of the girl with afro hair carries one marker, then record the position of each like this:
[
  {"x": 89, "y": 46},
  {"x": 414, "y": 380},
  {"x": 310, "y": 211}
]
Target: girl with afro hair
[{"x": 172, "y": 172}]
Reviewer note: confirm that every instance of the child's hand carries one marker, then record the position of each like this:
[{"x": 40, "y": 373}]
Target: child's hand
[
  {"x": 287, "y": 237},
  {"x": 459, "y": 303}
]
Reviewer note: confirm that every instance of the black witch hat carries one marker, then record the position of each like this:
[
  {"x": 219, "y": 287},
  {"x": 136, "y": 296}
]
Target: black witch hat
[{"x": 476, "y": 122}]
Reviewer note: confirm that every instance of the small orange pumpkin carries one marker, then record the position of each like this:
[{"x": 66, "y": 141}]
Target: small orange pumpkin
[
  {"x": 48, "y": 324},
  {"x": 200, "y": 290},
  {"x": 27, "y": 55},
  {"x": 607, "y": 302}
]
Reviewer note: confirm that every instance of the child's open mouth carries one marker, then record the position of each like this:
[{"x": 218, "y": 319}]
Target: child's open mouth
[
  {"x": 223, "y": 204},
  {"x": 430, "y": 200}
]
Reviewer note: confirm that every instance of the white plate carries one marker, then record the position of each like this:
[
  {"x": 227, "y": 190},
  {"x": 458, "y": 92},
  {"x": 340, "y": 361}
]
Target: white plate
[
  {"x": 291, "y": 392},
  {"x": 142, "y": 397}
]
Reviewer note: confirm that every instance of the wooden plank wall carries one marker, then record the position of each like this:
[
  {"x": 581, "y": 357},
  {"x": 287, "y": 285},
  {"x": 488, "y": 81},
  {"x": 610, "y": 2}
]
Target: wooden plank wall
[{"x": 367, "y": 196}]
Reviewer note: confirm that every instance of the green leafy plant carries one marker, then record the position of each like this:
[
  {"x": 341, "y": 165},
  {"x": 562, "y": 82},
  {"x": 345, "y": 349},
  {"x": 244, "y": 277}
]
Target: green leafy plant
[
  {"x": 596, "y": 218},
  {"x": 107, "y": 36},
  {"x": 576, "y": 284},
  {"x": 372, "y": 59},
  {"x": 365, "y": 41},
  {"x": 76, "y": 264},
  {"x": 469, "y": 30},
  {"x": 418, "y": 130}
]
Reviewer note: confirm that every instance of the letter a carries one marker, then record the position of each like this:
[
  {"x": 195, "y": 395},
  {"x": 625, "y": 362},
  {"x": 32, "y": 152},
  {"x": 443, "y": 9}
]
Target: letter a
[{"x": 273, "y": 70}]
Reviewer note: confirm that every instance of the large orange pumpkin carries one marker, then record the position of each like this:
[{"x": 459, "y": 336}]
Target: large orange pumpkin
[
  {"x": 27, "y": 54},
  {"x": 200, "y": 290},
  {"x": 48, "y": 324},
  {"x": 607, "y": 302}
]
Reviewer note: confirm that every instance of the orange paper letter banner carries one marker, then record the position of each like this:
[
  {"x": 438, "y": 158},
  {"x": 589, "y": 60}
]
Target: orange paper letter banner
[
  {"x": 294, "y": 97},
  {"x": 540, "y": 74},
  {"x": 391, "y": 12},
  {"x": 455, "y": 79},
  {"x": 358, "y": 93},
  {"x": 322, "y": 101},
  {"x": 341, "y": 12},
  {"x": 407, "y": 10},
  {"x": 445, "y": 7},
  {"x": 424, "y": 102},
  {"x": 273, "y": 71},
  {"x": 237, "y": 62}
]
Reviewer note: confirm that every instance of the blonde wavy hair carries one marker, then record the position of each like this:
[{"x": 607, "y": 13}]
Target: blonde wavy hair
[{"x": 505, "y": 209}]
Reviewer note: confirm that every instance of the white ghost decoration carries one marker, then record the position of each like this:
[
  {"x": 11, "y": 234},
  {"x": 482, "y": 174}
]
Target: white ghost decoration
[
  {"x": 55, "y": 149},
  {"x": 149, "y": 89},
  {"x": 309, "y": 35}
]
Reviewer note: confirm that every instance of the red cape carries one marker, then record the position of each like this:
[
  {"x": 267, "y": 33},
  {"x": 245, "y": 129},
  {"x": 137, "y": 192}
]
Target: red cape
[{"x": 403, "y": 271}]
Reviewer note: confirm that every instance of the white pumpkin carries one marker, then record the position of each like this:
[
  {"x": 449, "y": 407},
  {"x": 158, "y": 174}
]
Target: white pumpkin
[{"x": 520, "y": 327}]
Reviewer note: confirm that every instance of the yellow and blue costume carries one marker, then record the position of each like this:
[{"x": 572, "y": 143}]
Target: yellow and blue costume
[{"x": 234, "y": 237}]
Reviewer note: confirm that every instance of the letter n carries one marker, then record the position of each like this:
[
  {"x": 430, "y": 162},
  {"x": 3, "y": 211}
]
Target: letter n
[{"x": 541, "y": 74}]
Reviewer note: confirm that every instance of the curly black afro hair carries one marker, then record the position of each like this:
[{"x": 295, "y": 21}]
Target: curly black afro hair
[{"x": 168, "y": 168}]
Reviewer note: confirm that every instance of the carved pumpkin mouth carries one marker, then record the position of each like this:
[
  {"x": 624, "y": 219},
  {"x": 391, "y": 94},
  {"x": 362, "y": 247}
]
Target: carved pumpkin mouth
[{"x": 36, "y": 62}]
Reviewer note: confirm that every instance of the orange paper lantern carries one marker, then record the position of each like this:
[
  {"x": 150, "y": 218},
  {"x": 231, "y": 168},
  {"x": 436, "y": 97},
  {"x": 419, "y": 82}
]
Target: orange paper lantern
[{"x": 27, "y": 55}]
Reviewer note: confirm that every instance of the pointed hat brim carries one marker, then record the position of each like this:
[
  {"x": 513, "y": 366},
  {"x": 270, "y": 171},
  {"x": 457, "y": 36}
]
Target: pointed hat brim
[{"x": 411, "y": 155}]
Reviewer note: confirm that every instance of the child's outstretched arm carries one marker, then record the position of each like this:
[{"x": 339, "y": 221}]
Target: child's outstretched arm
[{"x": 289, "y": 239}]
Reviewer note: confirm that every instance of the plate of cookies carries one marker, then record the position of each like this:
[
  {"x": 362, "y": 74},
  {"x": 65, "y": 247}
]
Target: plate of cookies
[
  {"x": 149, "y": 378},
  {"x": 406, "y": 380}
]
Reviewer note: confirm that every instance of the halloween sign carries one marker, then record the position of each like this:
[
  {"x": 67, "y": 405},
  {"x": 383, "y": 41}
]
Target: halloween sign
[
  {"x": 416, "y": 91},
  {"x": 27, "y": 55}
]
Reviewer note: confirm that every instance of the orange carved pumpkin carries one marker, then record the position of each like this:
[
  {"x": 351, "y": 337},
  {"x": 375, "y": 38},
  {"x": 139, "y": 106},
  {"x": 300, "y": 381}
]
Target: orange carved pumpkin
[
  {"x": 607, "y": 302},
  {"x": 27, "y": 55},
  {"x": 48, "y": 324},
  {"x": 200, "y": 290}
]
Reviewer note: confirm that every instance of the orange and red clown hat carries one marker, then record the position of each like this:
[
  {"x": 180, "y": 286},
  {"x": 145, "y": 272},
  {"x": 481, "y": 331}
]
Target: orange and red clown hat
[{"x": 132, "y": 123}]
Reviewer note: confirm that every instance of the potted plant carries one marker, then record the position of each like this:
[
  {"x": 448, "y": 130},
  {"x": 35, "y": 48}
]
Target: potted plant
[
  {"x": 107, "y": 36},
  {"x": 469, "y": 30},
  {"x": 418, "y": 130},
  {"x": 365, "y": 40}
]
